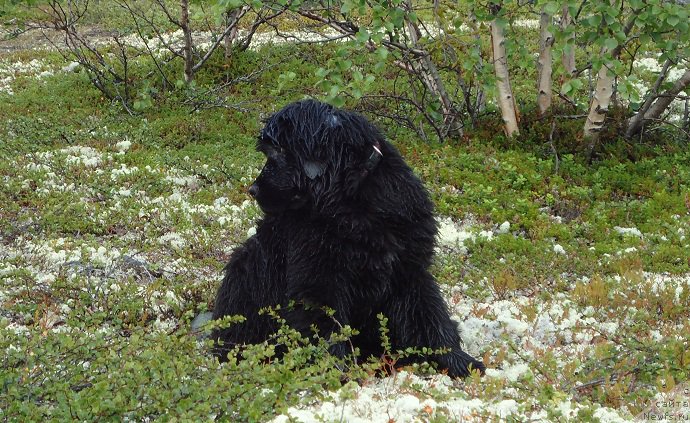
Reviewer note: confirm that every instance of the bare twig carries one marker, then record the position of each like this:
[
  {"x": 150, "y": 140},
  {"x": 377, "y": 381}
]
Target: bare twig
[{"x": 553, "y": 147}]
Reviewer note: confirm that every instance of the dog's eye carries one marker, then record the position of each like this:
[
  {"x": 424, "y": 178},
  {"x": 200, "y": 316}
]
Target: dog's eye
[{"x": 276, "y": 150}]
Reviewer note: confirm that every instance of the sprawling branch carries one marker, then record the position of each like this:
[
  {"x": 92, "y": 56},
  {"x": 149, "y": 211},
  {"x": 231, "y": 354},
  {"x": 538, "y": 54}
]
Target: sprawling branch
[
  {"x": 656, "y": 104},
  {"x": 412, "y": 58},
  {"x": 231, "y": 27},
  {"x": 426, "y": 68},
  {"x": 635, "y": 123},
  {"x": 101, "y": 72}
]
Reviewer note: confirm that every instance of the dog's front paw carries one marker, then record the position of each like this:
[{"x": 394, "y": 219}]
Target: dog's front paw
[{"x": 460, "y": 364}]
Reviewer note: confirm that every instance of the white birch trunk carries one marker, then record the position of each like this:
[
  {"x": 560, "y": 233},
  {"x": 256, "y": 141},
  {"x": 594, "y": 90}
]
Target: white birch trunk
[
  {"x": 568, "y": 58},
  {"x": 432, "y": 80},
  {"x": 603, "y": 93},
  {"x": 506, "y": 101},
  {"x": 231, "y": 19},
  {"x": 544, "y": 64},
  {"x": 187, "y": 33},
  {"x": 656, "y": 109},
  {"x": 601, "y": 100}
]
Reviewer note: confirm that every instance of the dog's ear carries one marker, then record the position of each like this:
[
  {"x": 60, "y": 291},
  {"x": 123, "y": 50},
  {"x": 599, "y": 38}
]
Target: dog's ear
[
  {"x": 361, "y": 167},
  {"x": 313, "y": 169}
]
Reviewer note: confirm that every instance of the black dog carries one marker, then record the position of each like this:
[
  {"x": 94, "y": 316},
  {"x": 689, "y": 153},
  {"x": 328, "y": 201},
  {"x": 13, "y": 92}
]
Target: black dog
[{"x": 348, "y": 227}]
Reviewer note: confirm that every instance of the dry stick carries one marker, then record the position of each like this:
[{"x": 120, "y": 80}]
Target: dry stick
[
  {"x": 138, "y": 28},
  {"x": 200, "y": 105},
  {"x": 257, "y": 22},
  {"x": 351, "y": 29},
  {"x": 403, "y": 119},
  {"x": 432, "y": 80},
  {"x": 159, "y": 34},
  {"x": 169, "y": 15},
  {"x": 480, "y": 102},
  {"x": 125, "y": 74},
  {"x": 231, "y": 26},
  {"x": 407, "y": 64},
  {"x": 666, "y": 122},
  {"x": 665, "y": 99},
  {"x": 686, "y": 115},
  {"x": 553, "y": 148},
  {"x": 414, "y": 54},
  {"x": 635, "y": 122},
  {"x": 79, "y": 47}
]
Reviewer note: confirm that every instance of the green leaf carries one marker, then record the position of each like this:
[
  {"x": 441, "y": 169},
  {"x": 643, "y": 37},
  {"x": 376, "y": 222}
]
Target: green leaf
[
  {"x": 321, "y": 73},
  {"x": 344, "y": 65},
  {"x": 346, "y": 7},
  {"x": 362, "y": 35},
  {"x": 398, "y": 17},
  {"x": 610, "y": 43},
  {"x": 377, "y": 37},
  {"x": 501, "y": 22},
  {"x": 338, "y": 101},
  {"x": 593, "y": 20},
  {"x": 551, "y": 8}
]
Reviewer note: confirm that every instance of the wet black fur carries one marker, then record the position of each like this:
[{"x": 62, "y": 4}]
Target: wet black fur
[{"x": 339, "y": 235}]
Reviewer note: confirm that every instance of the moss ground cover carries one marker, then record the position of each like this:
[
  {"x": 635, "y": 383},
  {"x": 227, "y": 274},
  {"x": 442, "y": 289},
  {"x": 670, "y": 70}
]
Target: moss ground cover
[{"x": 570, "y": 278}]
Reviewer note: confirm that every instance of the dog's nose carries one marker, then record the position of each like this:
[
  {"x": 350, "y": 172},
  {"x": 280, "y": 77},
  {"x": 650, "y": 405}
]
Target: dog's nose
[{"x": 253, "y": 190}]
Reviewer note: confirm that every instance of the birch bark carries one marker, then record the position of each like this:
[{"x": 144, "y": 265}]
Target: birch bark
[
  {"x": 544, "y": 64},
  {"x": 506, "y": 100}
]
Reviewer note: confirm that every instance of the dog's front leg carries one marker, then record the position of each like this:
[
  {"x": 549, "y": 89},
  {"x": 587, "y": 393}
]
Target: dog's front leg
[
  {"x": 319, "y": 300},
  {"x": 324, "y": 320},
  {"x": 419, "y": 318}
]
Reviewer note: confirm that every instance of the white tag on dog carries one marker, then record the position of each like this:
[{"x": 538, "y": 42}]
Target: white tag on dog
[{"x": 313, "y": 169}]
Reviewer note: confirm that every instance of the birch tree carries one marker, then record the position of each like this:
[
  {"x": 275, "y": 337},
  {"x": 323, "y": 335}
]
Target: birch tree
[
  {"x": 392, "y": 34},
  {"x": 545, "y": 62},
  {"x": 611, "y": 40},
  {"x": 568, "y": 56},
  {"x": 506, "y": 100},
  {"x": 657, "y": 103},
  {"x": 187, "y": 34}
]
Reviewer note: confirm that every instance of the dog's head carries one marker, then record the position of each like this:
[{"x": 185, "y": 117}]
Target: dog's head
[{"x": 316, "y": 156}]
